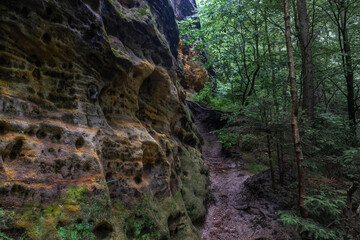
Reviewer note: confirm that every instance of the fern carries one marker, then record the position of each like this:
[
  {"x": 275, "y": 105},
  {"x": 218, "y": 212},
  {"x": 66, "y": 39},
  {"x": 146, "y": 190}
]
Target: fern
[
  {"x": 325, "y": 207},
  {"x": 309, "y": 227}
]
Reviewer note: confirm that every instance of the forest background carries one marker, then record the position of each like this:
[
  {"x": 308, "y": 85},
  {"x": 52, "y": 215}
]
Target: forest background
[{"x": 242, "y": 44}]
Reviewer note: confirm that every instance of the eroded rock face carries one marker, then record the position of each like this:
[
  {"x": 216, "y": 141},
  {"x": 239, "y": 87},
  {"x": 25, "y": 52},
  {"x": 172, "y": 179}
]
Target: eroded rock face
[
  {"x": 93, "y": 126},
  {"x": 195, "y": 74},
  {"x": 184, "y": 8}
]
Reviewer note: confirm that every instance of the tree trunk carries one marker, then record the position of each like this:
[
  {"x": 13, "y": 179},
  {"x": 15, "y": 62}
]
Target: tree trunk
[
  {"x": 339, "y": 15},
  {"x": 281, "y": 177},
  {"x": 349, "y": 76},
  {"x": 268, "y": 138},
  {"x": 294, "y": 112},
  {"x": 306, "y": 55},
  {"x": 349, "y": 195}
]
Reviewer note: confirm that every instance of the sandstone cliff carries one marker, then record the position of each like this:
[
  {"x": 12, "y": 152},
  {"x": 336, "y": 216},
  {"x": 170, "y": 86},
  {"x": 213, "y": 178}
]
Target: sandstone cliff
[{"x": 95, "y": 138}]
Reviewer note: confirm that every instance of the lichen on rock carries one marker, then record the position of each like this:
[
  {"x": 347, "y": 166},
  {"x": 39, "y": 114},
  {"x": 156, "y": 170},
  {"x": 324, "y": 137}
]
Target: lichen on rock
[{"x": 94, "y": 135}]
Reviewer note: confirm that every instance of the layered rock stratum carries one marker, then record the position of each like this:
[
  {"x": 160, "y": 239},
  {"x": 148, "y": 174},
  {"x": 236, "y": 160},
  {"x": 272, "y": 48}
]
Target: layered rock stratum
[{"x": 96, "y": 141}]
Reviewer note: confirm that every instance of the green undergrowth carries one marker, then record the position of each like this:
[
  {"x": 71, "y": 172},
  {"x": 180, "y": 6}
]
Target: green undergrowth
[
  {"x": 73, "y": 216},
  {"x": 253, "y": 165},
  {"x": 78, "y": 216},
  {"x": 325, "y": 208},
  {"x": 149, "y": 218}
]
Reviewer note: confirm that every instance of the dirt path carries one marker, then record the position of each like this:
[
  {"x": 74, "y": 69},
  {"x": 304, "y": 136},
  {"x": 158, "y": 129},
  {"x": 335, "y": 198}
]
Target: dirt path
[{"x": 234, "y": 213}]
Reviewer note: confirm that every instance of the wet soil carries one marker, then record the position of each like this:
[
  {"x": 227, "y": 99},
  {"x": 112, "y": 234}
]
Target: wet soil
[{"x": 240, "y": 205}]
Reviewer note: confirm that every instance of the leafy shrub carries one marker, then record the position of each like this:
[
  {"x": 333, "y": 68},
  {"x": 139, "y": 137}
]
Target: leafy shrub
[
  {"x": 226, "y": 136},
  {"x": 140, "y": 228},
  {"x": 248, "y": 142},
  {"x": 76, "y": 231},
  {"x": 325, "y": 208},
  {"x": 309, "y": 227},
  {"x": 6, "y": 217},
  {"x": 327, "y": 135},
  {"x": 205, "y": 95},
  {"x": 351, "y": 163}
]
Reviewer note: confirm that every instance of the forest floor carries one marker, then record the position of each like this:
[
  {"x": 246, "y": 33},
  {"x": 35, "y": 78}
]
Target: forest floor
[{"x": 239, "y": 206}]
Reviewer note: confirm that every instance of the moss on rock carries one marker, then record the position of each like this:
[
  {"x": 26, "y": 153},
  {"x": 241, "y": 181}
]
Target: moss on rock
[{"x": 194, "y": 177}]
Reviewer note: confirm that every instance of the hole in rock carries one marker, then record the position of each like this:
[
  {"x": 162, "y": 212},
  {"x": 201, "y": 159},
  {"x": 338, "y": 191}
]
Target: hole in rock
[
  {"x": 16, "y": 149},
  {"x": 103, "y": 230},
  {"x": 138, "y": 180},
  {"x": 25, "y": 11},
  {"x": 79, "y": 142},
  {"x": 36, "y": 74},
  {"x": 60, "y": 224},
  {"x": 30, "y": 132},
  {"x": 2, "y": 130},
  {"x": 109, "y": 176},
  {"x": 57, "y": 136},
  {"x": 153, "y": 91},
  {"x": 92, "y": 92},
  {"x": 173, "y": 222},
  {"x": 40, "y": 134},
  {"x": 87, "y": 166},
  {"x": 49, "y": 11},
  {"x": 78, "y": 221},
  {"x": 46, "y": 38}
]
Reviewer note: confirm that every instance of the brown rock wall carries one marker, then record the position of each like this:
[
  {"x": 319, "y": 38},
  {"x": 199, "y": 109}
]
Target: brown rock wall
[{"x": 90, "y": 99}]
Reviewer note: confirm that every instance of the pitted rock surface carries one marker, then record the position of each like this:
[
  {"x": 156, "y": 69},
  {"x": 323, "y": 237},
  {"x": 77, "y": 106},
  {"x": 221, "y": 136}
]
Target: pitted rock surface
[{"x": 90, "y": 97}]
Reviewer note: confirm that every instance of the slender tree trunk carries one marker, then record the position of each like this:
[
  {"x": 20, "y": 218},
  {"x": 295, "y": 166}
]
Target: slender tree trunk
[
  {"x": 349, "y": 213},
  {"x": 281, "y": 177},
  {"x": 339, "y": 15},
  {"x": 349, "y": 196},
  {"x": 294, "y": 112},
  {"x": 268, "y": 138},
  {"x": 307, "y": 64},
  {"x": 349, "y": 76},
  {"x": 273, "y": 77}
]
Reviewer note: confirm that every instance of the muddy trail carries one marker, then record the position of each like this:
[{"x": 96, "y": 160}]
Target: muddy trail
[{"x": 240, "y": 206}]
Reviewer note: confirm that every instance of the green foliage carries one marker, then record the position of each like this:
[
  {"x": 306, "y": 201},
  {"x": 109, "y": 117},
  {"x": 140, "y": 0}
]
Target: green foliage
[
  {"x": 351, "y": 163},
  {"x": 142, "y": 12},
  {"x": 7, "y": 221},
  {"x": 253, "y": 166},
  {"x": 205, "y": 95},
  {"x": 140, "y": 227},
  {"x": 248, "y": 142},
  {"x": 144, "y": 220},
  {"x": 3, "y": 236},
  {"x": 75, "y": 195},
  {"x": 6, "y": 217},
  {"x": 329, "y": 134},
  {"x": 227, "y": 137},
  {"x": 325, "y": 206},
  {"x": 309, "y": 227},
  {"x": 244, "y": 44},
  {"x": 76, "y": 231}
]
